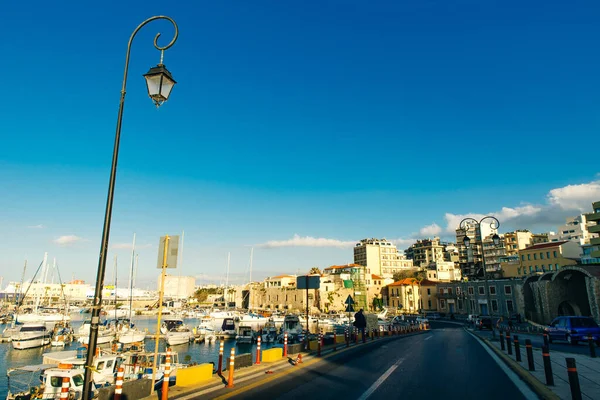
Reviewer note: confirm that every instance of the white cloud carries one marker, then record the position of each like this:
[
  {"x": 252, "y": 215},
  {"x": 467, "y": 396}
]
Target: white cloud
[
  {"x": 128, "y": 246},
  {"x": 430, "y": 230},
  {"x": 39, "y": 226},
  {"x": 575, "y": 197},
  {"x": 67, "y": 240},
  {"x": 307, "y": 241},
  {"x": 403, "y": 243}
]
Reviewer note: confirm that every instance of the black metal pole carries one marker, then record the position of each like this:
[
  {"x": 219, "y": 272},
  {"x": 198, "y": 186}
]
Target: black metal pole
[
  {"x": 573, "y": 379},
  {"x": 547, "y": 366},
  {"x": 501, "y": 340},
  {"x": 529, "y": 351},
  {"x": 508, "y": 345},
  {"x": 517, "y": 349},
  {"x": 592, "y": 347},
  {"x": 97, "y": 302}
]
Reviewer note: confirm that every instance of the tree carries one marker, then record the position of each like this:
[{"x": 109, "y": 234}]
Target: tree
[{"x": 315, "y": 270}]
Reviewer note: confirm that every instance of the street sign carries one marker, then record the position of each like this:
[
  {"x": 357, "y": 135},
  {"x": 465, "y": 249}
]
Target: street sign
[
  {"x": 349, "y": 300},
  {"x": 349, "y": 308},
  {"x": 308, "y": 282},
  {"x": 172, "y": 252}
]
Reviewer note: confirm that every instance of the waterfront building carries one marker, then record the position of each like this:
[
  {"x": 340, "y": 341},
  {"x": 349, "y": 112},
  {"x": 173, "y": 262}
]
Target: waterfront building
[
  {"x": 576, "y": 229},
  {"x": 178, "y": 287},
  {"x": 549, "y": 256},
  {"x": 380, "y": 257},
  {"x": 404, "y": 296},
  {"x": 49, "y": 293},
  {"x": 470, "y": 297}
]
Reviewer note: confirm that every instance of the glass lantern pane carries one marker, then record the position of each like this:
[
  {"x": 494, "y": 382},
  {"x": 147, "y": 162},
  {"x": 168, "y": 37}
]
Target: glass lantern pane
[
  {"x": 153, "y": 83},
  {"x": 167, "y": 86}
]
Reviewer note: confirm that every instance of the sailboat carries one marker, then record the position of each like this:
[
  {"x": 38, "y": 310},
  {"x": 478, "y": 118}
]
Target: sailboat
[{"x": 127, "y": 333}]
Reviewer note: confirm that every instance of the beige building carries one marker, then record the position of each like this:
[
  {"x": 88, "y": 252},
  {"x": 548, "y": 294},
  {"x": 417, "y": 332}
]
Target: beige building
[
  {"x": 404, "y": 296},
  {"x": 178, "y": 287},
  {"x": 510, "y": 266},
  {"x": 380, "y": 257},
  {"x": 426, "y": 251},
  {"x": 550, "y": 256},
  {"x": 443, "y": 271},
  {"x": 428, "y": 295}
]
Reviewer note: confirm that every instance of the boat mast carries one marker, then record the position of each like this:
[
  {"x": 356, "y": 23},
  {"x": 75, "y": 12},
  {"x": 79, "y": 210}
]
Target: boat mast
[
  {"x": 44, "y": 270},
  {"x": 115, "y": 289},
  {"x": 18, "y": 299},
  {"x": 133, "y": 258},
  {"x": 227, "y": 281}
]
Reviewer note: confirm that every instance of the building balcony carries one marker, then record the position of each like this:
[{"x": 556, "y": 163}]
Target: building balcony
[{"x": 594, "y": 228}]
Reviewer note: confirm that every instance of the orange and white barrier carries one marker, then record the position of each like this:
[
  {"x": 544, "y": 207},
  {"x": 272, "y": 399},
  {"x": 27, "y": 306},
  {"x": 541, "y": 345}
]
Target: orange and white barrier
[
  {"x": 64, "y": 390},
  {"x": 231, "y": 367},
  {"x": 166, "y": 376}
]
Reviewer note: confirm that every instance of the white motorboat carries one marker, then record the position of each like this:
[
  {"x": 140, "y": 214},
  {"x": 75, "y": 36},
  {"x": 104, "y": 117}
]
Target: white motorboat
[
  {"x": 24, "y": 382},
  {"x": 228, "y": 330},
  {"x": 255, "y": 321},
  {"x": 244, "y": 335},
  {"x": 170, "y": 323},
  {"x": 129, "y": 335},
  {"x": 179, "y": 335},
  {"x": 31, "y": 335},
  {"x": 105, "y": 335},
  {"x": 269, "y": 333}
]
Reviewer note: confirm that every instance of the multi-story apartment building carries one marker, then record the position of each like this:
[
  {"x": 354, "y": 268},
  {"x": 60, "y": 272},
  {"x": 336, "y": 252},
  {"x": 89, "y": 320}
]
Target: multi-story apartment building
[
  {"x": 594, "y": 230},
  {"x": 576, "y": 229},
  {"x": 469, "y": 259},
  {"x": 428, "y": 295},
  {"x": 404, "y": 296},
  {"x": 443, "y": 271},
  {"x": 510, "y": 266},
  {"x": 548, "y": 256},
  {"x": 427, "y": 251},
  {"x": 380, "y": 257},
  {"x": 492, "y": 253}
]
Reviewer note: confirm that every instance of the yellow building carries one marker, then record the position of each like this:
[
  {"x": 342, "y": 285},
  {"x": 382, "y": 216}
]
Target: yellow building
[
  {"x": 404, "y": 296},
  {"x": 550, "y": 256},
  {"x": 428, "y": 295},
  {"x": 380, "y": 257},
  {"x": 510, "y": 266}
]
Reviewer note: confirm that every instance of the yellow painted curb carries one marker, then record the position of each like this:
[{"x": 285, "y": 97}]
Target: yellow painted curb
[{"x": 542, "y": 390}]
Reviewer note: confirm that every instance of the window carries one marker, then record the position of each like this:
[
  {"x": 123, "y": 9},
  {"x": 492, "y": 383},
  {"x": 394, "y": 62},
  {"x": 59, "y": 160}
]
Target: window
[
  {"x": 530, "y": 269},
  {"x": 529, "y": 256},
  {"x": 509, "y": 306},
  {"x": 481, "y": 290},
  {"x": 554, "y": 254},
  {"x": 507, "y": 289},
  {"x": 460, "y": 304},
  {"x": 549, "y": 267},
  {"x": 492, "y": 289},
  {"x": 441, "y": 290},
  {"x": 547, "y": 254},
  {"x": 442, "y": 303},
  {"x": 449, "y": 290},
  {"x": 471, "y": 290},
  {"x": 429, "y": 304},
  {"x": 556, "y": 267},
  {"x": 519, "y": 271},
  {"x": 541, "y": 256},
  {"x": 495, "y": 305},
  {"x": 523, "y": 257},
  {"x": 428, "y": 291},
  {"x": 537, "y": 268},
  {"x": 535, "y": 256}
]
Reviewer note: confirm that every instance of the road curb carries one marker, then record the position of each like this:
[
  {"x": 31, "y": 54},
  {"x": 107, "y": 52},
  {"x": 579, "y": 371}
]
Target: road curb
[{"x": 538, "y": 387}]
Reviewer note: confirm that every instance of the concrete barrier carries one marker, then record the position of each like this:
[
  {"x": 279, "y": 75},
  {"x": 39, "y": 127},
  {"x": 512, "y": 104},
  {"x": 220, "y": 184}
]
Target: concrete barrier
[
  {"x": 272, "y": 355},
  {"x": 295, "y": 348},
  {"x": 242, "y": 360},
  {"x": 137, "y": 389},
  {"x": 340, "y": 339},
  {"x": 193, "y": 375},
  {"x": 313, "y": 344}
]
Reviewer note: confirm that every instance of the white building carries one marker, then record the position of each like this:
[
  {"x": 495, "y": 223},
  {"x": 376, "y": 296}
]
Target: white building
[
  {"x": 48, "y": 292},
  {"x": 576, "y": 230},
  {"x": 380, "y": 257},
  {"x": 443, "y": 271}
]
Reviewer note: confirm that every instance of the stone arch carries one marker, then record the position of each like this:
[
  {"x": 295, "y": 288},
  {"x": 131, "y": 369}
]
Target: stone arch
[
  {"x": 569, "y": 292},
  {"x": 568, "y": 308},
  {"x": 547, "y": 276},
  {"x": 529, "y": 298}
]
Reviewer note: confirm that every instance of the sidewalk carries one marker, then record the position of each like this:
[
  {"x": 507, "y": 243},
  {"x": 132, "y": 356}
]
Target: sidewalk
[{"x": 588, "y": 370}]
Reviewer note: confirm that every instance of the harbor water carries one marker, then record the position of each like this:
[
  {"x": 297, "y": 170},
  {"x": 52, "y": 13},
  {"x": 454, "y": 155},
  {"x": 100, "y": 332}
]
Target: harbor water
[{"x": 188, "y": 353}]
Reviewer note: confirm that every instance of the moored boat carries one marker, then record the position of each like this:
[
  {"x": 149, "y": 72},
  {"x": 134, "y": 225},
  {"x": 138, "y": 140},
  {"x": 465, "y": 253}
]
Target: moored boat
[{"x": 31, "y": 335}]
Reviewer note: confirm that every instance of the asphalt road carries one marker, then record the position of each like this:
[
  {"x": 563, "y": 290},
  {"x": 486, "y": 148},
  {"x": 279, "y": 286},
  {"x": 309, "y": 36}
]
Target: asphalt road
[
  {"x": 538, "y": 341},
  {"x": 444, "y": 363}
]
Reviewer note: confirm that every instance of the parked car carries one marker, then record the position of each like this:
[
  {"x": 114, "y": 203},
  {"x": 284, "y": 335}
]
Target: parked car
[
  {"x": 484, "y": 323},
  {"x": 573, "y": 329},
  {"x": 433, "y": 316},
  {"x": 472, "y": 318},
  {"x": 422, "y": 320}
]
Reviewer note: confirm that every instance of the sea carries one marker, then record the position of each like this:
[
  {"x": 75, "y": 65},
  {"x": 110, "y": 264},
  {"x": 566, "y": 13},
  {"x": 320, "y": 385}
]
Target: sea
[{"x": 188, "y": 353}]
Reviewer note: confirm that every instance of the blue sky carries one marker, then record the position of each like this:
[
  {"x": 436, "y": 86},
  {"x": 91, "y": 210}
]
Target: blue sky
[{"x": 331, "y": 120}]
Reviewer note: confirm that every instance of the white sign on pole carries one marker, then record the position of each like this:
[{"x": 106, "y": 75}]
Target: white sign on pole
[{"x": 172, "y": 252}]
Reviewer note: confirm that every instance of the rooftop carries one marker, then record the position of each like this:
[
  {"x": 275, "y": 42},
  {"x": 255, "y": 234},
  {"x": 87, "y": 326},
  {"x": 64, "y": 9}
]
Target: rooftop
[{"x": 546, "y": 245}]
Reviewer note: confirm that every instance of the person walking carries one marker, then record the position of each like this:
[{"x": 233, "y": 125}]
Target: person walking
[{"x": 360, "y": 322}]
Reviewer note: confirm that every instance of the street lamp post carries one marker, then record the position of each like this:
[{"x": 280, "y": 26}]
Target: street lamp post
[
  {"x": 494, "y": 224},
  {"x": 159, "y": 84}
]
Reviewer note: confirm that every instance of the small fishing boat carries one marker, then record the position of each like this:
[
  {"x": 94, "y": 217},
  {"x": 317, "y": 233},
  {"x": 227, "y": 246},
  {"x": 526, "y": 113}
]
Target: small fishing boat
[
  {"x": 61, "y": 336},
  {"x": 245, "y": 335}
]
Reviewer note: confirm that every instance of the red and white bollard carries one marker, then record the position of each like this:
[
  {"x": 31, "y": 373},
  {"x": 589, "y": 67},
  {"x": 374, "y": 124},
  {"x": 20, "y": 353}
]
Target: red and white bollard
[
  {"x": 166, "y": 376},
  {"x": 231, "y": 367},
  {"x": 355, "y": 335},
  {"x": 119, "y": 383},
  {"x": 258, "y": 351},
  {"x": 220, "y": 367},
  {"x": 64, "y": 390},
  {"x": 285, "y": 344},
  {"x": 319, "y": 343},
  {"x": 347, "y": 337}
]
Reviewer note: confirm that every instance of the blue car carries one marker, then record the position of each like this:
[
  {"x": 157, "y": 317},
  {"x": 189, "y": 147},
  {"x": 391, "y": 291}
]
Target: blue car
[{"x": 573, "y": 329}]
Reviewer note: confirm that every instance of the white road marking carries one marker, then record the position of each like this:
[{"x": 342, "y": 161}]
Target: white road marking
[
  {"x": 520, "y": 384},
  {"x": 428, "y": 337},
  {"x": 381, "y": 379}
]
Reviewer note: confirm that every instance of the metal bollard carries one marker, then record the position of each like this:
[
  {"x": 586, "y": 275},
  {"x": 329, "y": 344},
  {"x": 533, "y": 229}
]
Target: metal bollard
[
  {"x": 502, "y": 347},
  {"x": 64, "y": 390},
  {"x": 529, "y": 351},
  {"x": 517, "y": 349},
  {"x": 364, "y": 334},
  {"x": 119, "y": 383},
  {"x": 285, "y": 344},
  {"x": 355, "y": 335},
  {"x": 220, "y": 367},
  {"x": 334, "y": 341},
  {"x": 347, "y": 338},
  {"x": 592, "y": 347},
  {"x": 508, "y": 344},
  {"x": 258, "y": 351},
  {"x": 319, "y": 346},
  {"x": 231, "y": 368},
  {"x": 546, "y": 342},
  {"x": 166, "y": 377},
  {"x": 573, "y": 379},
  {"x": 547, "y": 366},
  {"x": 373, "y": 333}
]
